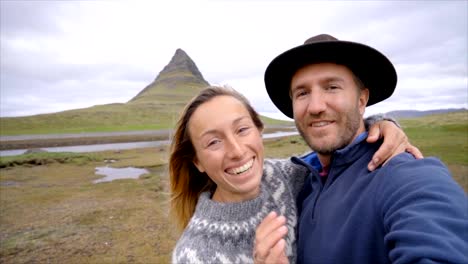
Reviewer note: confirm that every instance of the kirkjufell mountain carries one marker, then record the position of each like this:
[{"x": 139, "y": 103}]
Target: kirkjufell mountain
[
  {"x": 157, "y": 106},
  {"x": 180, "y": 77}
]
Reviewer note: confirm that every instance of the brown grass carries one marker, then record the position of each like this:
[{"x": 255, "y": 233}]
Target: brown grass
[{"x": 55, "y": 214}]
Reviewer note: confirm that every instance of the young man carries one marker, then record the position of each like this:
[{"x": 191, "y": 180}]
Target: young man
[{"x": 408, "y": 211}]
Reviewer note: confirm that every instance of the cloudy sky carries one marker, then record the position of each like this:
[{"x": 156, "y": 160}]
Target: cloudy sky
[{"x": 60, "y": 55}]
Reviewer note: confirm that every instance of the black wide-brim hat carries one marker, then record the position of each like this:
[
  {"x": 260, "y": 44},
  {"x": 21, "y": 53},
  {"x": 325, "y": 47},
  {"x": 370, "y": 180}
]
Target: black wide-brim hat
[{"x": 372, "y": 67}]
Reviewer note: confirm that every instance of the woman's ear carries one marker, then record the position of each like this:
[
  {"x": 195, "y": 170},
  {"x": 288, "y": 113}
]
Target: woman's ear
[{"x": 198, "y": 165}]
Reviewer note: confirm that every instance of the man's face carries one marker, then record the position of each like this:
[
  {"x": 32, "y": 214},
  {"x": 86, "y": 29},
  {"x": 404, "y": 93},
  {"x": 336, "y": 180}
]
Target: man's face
[{"x": 328, "y": 106}]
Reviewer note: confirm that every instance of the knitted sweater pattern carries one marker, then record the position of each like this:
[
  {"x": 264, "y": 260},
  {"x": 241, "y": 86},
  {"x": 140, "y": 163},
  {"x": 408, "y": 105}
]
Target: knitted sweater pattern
[{"x": 225, "y": 232}]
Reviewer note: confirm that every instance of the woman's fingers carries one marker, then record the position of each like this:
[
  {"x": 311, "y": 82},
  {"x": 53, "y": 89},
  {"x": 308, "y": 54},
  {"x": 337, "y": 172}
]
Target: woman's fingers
[
  {"x": 269, "y": 232},
  {"x": 277, "y": 254}
]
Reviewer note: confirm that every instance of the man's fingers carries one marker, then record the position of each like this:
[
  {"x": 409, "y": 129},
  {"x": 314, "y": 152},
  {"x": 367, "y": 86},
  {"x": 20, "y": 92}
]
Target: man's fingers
[
  {"x": 414, "y": 151},
  {"x": 394, "y": 142},
  {"x": 373, "y": 134},
  {"x": 382, "y": 154}
]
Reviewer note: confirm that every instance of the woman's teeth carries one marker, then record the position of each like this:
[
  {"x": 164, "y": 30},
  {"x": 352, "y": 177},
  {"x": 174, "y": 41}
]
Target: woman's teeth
[{"x": 242, "y": 168}]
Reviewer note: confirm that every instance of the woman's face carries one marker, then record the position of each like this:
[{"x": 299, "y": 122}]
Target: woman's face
[{"x": 228, "y": 147}]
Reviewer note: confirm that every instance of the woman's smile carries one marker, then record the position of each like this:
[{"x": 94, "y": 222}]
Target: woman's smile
[{"x": 242, "y": 168}]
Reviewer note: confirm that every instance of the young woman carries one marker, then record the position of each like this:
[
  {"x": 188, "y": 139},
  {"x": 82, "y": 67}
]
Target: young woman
[{"x": 221, "y": 186}]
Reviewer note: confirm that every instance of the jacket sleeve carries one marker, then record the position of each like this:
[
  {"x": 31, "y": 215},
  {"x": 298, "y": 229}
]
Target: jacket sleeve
[{"x": 424, "y": 212}]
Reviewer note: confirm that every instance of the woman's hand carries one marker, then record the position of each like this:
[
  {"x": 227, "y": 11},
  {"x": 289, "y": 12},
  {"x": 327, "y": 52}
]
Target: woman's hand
[
  {"x": 395, "y": 142},
  {"x": 270, "y": 245}
]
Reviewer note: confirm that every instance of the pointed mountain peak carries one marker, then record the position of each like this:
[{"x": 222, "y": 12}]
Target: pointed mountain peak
[
  {"x": 181, "y": 61},
  {"x": 180, "y": 73},
  {"x": 180, "y": 53}
]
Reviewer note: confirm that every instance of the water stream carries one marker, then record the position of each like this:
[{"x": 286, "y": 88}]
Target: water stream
[{"x": 118, "y": 146}]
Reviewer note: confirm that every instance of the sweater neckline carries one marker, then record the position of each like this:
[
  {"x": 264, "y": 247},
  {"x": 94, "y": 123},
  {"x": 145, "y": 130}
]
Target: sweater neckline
[{"x": 235, "y": 211}]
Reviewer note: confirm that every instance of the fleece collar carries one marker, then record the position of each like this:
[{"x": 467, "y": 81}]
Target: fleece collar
[{"x": 342, "y": 156}]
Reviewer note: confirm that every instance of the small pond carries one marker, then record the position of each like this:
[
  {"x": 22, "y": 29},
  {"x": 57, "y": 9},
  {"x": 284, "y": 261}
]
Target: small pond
[{"x": 119, "y": 173}]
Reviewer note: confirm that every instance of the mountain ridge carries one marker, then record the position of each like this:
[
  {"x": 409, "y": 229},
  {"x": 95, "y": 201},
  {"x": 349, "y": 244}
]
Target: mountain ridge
[{"x": 419, "y": 113}]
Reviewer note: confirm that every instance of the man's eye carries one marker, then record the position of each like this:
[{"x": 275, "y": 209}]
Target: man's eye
[{"x": 301, "y": 94}]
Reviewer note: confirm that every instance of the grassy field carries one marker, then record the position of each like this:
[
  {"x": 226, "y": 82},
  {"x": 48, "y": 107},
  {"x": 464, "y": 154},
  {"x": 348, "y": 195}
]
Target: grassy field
[
  {"x": 52, "y": 212},
  {"x": 135, "y": 116},
  {"x": 157, "y": 107},
  {"x": 444, "y": 136}
]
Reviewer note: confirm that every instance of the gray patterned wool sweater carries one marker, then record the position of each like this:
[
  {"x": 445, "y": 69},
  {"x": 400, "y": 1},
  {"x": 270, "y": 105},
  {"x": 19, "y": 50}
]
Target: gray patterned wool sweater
[{"x": 225, "y": 232}]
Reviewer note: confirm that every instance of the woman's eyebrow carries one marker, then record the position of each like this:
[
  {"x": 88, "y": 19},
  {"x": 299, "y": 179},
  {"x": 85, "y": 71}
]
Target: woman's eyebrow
[
  {"x": 239, "y": 119},
  {"x": 215, "y": 131}
]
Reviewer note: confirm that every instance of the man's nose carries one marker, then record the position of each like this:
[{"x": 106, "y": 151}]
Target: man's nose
[{"x": 316, "y": 104}]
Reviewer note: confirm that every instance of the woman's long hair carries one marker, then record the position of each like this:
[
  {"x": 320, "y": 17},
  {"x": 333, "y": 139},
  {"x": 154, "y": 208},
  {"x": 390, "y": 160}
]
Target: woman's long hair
[{"x": 186, "y": 182}]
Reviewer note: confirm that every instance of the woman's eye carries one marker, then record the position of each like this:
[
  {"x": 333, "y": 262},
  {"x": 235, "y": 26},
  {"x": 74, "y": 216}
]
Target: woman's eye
[
  {"x": 243, "y": 130},
  {"x": 213, "y": 142}
]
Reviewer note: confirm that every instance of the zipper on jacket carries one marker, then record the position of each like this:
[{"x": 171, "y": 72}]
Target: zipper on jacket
[{"x": 321, "y": 185}]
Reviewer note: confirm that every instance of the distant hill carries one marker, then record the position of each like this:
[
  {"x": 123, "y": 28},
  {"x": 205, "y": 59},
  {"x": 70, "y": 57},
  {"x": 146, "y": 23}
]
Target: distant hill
[
  {"x": 157, "y": 106},
  {"x": 414, "y": 113}
]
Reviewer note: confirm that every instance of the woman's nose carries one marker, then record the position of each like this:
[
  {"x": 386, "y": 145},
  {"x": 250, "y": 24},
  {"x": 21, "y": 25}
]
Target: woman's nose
[{"x": 234, "y": 148}]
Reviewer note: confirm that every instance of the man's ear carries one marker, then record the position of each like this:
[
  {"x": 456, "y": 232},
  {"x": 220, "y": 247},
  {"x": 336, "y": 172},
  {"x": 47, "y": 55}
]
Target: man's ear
[
  {"x": 363, "y": 99},
  {"x": 198, "y": 165}
]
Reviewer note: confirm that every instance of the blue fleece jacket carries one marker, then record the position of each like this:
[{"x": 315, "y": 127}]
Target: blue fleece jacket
[{"x": 409, "y": 211}]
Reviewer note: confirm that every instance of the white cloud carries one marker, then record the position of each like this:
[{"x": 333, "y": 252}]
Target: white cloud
[{"x": 95, "y": 48}]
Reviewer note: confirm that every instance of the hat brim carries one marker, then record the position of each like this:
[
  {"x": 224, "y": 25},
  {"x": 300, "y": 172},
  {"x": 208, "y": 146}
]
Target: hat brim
[{"x": 369, "y": 65}]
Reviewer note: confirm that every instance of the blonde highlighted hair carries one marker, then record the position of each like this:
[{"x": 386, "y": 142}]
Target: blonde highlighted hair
[{"x": 186, "y": 182}]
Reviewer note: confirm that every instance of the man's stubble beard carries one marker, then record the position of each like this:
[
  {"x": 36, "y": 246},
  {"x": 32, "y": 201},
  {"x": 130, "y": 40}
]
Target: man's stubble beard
[{"x": 345, "y": 136}]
